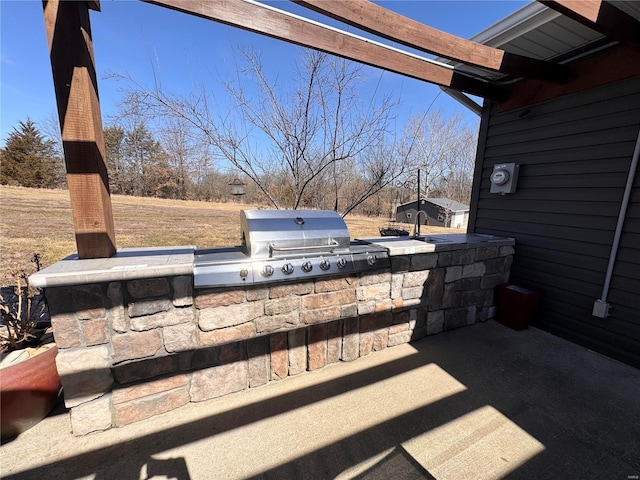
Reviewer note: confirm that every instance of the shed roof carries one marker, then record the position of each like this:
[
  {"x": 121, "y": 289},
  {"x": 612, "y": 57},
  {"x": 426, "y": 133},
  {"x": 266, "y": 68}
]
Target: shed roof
[{"x": 442, "y": 202}]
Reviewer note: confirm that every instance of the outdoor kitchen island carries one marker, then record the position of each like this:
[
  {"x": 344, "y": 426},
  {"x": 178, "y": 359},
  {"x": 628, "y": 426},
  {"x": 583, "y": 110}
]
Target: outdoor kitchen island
[{"x": 136, "y": 339}]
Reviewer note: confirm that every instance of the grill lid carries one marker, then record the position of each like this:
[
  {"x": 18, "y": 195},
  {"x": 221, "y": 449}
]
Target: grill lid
[{"x": 287, "y": 233}]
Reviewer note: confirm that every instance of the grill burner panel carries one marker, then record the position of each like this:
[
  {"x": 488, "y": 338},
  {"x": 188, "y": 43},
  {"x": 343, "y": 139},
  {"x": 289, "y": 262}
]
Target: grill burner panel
[
  {"x": 228, "y": 267},
  {"x": 286, "y": 245}
]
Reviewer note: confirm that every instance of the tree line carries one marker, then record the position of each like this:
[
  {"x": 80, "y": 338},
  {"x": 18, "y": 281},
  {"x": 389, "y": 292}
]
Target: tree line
[{"x": 313, "y": 142}]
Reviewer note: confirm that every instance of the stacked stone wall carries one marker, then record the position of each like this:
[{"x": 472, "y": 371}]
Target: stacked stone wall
[{"x": 133, "y": 349}]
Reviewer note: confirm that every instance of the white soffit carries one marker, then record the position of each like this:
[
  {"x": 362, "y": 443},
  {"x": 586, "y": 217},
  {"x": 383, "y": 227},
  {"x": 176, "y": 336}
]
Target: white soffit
[
  {"x": 539, "y": 32},
  {"x": 518, "y": 23}
]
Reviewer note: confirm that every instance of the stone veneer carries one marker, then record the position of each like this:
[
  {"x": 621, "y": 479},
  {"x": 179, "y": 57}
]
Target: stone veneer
[{"x": 132, "y": 349}]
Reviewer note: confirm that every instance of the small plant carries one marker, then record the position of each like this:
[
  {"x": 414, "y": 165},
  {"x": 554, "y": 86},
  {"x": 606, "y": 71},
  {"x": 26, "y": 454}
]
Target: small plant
[{"x": 22, "y": 312}]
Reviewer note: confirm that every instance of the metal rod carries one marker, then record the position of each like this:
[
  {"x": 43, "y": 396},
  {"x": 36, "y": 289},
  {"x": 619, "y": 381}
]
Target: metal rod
[
  {"x": 621, "y": 218},
  {"x": 418, "y": 212}
]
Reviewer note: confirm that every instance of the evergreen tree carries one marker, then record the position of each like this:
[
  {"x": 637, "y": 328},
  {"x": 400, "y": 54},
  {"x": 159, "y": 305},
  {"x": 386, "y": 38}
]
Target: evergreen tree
[{"x": 28, "y": 159}]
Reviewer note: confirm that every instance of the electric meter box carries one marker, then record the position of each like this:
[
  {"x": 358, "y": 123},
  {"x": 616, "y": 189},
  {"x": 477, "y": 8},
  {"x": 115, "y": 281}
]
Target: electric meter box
[{"x": 504, "y": 178}]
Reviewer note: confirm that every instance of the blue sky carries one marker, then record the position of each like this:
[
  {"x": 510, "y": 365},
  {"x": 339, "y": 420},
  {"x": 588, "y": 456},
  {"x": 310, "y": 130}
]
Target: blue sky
[{"x": 138, "y": 39}]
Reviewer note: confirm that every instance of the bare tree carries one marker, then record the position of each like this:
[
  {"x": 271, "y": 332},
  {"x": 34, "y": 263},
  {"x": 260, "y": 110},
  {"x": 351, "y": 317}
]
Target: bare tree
[
  {"x": 317, "y": 128},
  {"x": 184, "y": 150},
  {"x": 443, "y": 148},
  {"x": 50, "y": 127},
  {"x": 116, "y": 162}
]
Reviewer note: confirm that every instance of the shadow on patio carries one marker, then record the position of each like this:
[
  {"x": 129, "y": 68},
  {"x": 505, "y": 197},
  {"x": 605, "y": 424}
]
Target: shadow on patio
[{"x": 477, "y": 402}]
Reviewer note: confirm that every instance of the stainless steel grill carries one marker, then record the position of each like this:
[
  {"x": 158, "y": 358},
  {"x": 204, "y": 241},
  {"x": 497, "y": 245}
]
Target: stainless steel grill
[{"x": 287, "y": 245}]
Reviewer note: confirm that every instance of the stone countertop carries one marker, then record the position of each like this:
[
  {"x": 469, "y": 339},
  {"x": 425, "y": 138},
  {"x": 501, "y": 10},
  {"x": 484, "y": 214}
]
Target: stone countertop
[
  {"x": 438, "y": 243},
  {"x": 126, "y": 264},
  {"x": 137, "y": 263}
]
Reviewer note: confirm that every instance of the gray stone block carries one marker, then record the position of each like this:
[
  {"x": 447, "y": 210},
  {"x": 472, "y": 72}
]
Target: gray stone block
[
  {"x": 148, "y": 287},
  {"x": 179, "y": 338},
  {"x": 400, "y": 263},
  {"x": 415, "y": 279},
  {"x": 174, "y": 316},
  {"x": 463, "y": 256},
  {"x": 376, "y": 291},
  {"x": 258, "y": 358},
  {"x": 116, "y": 309},
  {"x": 135, "y": 345},
  {"x": 452, "y": 274},
  {"x": 317, "y": 348},
  {"x": 455, "y": 318},
  {"x": 396, "y": 285},
  {"x": 149, "y": 307},
  {"x": 85, "y": 373},
  {"x": 506, "y": 250},
  {"x": 473, "y": 270},
  {"x": 334, "y": 341},
  {"x": 272, "y": 323},
  {"x": 88, "y": 302},
  {"x": 444, "y": 259},
  {"x": 212, "y": 318},
  {"x": 485, "y": 253},
  {"x": 373, "y": 278},
  {"x": 281, "y": 305},
  {"x": 218, "y": 381},
  {"x": 424, "y": 261},
  {"x": 435, "y": 322},
  {"x": 182, "y": 291},
  {"x": 400, "y": 338},
  {"x": 91, "y": 416},
  {"x": 297, "y": 351},
  {"x": 351, "y": 339}
]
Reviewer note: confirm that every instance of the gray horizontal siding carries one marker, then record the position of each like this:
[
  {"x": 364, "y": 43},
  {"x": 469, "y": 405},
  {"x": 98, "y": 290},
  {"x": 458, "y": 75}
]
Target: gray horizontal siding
[
  {"x": 614, "y": 344},
  {"x": 574, "y": 154},
  {"x": 606, "y": 136}
]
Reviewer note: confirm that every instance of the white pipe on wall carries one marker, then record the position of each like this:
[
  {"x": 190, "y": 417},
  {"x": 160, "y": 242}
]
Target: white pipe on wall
[{"x": 601, "y": 307}]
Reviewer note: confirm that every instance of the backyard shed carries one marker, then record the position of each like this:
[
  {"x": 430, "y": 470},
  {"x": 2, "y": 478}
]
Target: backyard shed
[
  {"x": 575, "y": 214},
  {"x": 442, "y": 212}
]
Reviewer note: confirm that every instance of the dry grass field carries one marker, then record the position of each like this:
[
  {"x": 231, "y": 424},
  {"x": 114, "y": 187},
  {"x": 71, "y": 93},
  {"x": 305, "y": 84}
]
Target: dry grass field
[{"x": 37, "y": 220}]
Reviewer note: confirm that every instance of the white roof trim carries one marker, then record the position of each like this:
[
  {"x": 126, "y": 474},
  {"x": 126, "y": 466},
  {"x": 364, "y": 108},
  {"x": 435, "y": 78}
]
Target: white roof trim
[{"x": 524, "y": 20}]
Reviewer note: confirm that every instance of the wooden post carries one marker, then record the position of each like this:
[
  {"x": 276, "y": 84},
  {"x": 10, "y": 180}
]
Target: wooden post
[{"x": 76, "y": 87}]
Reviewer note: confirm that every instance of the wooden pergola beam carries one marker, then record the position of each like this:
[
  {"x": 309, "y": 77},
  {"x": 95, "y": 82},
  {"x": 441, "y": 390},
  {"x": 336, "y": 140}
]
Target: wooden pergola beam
[
  {"x": 74, "y": 78},
  {"x": 265, "y": 20},
  {"x": 600, "y": 16},
  {"x": 382, "y": 22}
]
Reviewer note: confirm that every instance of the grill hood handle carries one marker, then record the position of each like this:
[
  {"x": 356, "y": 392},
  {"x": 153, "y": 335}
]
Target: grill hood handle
[{"x": 329, "y": 247}]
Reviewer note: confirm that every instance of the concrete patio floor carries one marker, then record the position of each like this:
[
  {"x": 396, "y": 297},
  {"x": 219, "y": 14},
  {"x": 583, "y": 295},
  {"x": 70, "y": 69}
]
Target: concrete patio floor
[{"x": 479, "y": 402}]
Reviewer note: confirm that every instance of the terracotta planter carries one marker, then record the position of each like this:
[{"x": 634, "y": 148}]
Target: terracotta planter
[{"x": 28, "y": 392}]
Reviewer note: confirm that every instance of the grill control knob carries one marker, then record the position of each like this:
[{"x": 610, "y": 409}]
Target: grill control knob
[
  {"x": 372, "y": 260},
  {"x": 287, "y": 269},
  {"x": 307, "y": 267},
  {"x": 325, "y": 264},
  {"x": 267, "y": 271},
  {"x": 342, "y": 262},
  {"x": 244, "y": 273}
]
